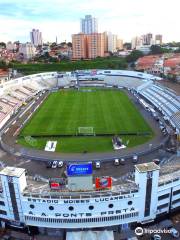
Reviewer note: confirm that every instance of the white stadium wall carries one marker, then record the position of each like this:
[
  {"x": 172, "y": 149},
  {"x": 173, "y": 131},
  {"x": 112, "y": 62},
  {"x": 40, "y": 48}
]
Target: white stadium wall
[{"x": 75, "y": 210}]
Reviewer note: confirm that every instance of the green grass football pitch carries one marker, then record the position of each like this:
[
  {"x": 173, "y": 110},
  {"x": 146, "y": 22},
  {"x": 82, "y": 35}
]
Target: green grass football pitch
[{"x": 107, "y": 111}]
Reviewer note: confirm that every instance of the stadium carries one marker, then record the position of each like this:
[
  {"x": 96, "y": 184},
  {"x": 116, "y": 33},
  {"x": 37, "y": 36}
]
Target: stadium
[{"x": 116, "y": 134}]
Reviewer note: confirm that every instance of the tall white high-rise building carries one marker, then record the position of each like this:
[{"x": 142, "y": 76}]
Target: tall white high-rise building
[
  {"x": 89, "y": 25},
  {"x": 112, "y": 42},
  {"x": 136, "y": 41},
  {"x": 36, "y": 37}
]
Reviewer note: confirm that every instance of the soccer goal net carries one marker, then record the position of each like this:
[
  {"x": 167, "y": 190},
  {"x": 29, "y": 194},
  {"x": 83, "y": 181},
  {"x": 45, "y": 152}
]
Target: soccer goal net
[{"x": 86, "y": 131}]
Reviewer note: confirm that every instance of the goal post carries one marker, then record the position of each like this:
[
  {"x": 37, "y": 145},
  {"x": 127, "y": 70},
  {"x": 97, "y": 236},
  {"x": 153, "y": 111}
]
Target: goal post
[{"x": 86, "y": 131}]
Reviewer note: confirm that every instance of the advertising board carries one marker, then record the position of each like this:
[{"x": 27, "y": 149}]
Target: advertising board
[
  {"x": 79, "y": 169},
  {"x": 57, "y": 183},
  {"x": 103, "y": 183}
]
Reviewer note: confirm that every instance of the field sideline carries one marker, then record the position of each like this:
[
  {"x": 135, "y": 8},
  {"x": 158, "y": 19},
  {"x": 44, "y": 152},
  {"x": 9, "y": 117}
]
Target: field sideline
[{"x": 107, "y": 111}]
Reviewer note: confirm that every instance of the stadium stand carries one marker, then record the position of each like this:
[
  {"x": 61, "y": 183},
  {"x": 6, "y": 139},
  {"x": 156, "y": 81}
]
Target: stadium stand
[
  {"x": 126, "y": 82},
  {"x": 14, "y": 92},
  {"x": 165, "y": 101},
  {"x": 175, "y": 119}
]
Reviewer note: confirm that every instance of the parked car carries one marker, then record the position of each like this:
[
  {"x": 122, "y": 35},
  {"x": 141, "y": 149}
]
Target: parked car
[
  {"x": 174, "y": 232},
  {"x": 135, "y": 159},
  {"x": 122, "y": 161},
  {"x": 116, "y": 162},
  {"x": 60, "y": 164},
  {"x": 49, "y": 164},
  {"x": 98, "y": 164},
  {"x": 54, "y": 164}
]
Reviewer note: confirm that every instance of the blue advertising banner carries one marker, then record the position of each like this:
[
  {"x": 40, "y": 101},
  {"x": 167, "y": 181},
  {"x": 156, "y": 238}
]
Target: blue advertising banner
[{"x": 79, "y": 169}]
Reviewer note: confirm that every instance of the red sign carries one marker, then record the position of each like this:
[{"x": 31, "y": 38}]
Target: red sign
[
  {"x": 103, "y": 182},
  {"x": 57, "y": 183},
  {"x": 54, "y": 185}
]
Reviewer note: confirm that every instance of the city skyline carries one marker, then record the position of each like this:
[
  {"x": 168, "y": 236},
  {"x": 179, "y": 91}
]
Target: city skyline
[{"x": 58, "y": 18}]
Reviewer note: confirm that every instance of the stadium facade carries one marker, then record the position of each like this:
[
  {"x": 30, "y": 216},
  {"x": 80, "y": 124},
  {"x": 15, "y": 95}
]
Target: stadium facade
[{"x": 149, "y": 195}]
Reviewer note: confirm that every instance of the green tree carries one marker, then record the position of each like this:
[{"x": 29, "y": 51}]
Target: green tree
[
  {"x": 3, "y": 65},
  {"x": 69, "y": 44},
  {"x": 177, "y": 51},
  {"x": 156, "y": 49},
  {"x": 127, "y": 46},
  {"x": 2, "y": 44},
  {"x": 134, "y": 55}
]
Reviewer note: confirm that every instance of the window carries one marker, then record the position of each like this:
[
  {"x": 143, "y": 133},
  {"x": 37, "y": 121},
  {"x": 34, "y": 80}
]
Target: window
[
  {"x": 71, "y": 208},
  {"x": 51, "y": 208},
  {"x": 176, "y": 192},
  {"x": 110, "y": 205},
  {"x": 31, "y": 206},
  {"x": 3, "y": 212},
  {"x": 163, "y": 196},
  {"x": 163, "y": 206},
  {"x": 91, "y": 207},
  {"x": 176, "y": 201},
  {"x": 2, "y": 203}
]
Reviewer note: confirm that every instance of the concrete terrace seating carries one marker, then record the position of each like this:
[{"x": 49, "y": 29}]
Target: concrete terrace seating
[
  {"x": 2, "y": 116},
  {"x": 20, "y": 93},
  {"x": 162, "y": 99},
  {"x": 5, "y": 107},
  {"x": 17, "y": 95},
  {"x": 30, "y": 88},
  {"x": 65, "y": 81},
  {"x": 45, "y": 81},
  {"x": 175, "y": 119},
  {"x": 123, "y": 81},
  {"x": 26, "y": 91},
  {"x": 167, "y": 95},
  {"x": 5, "y": 110},
  {"x": 13, "y": 99},
  {"x": 5, "y": 100}
]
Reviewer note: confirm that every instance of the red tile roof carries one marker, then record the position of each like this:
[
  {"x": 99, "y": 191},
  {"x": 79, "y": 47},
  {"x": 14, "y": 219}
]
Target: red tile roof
[
  {"x": 172, "y": 62},
  {"x": 147, "y": 61},
  {"x": 3, "y": 72}
]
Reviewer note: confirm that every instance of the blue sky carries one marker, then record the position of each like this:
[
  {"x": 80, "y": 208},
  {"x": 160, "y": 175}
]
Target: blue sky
[{"x": 61, "y": 18}]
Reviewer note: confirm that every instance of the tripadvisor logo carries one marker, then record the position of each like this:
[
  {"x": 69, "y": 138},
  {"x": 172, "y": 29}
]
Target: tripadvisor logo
[
  {"x": 31, "y": 141},
  {"x": 139, "y": 231}
]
